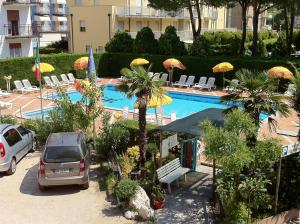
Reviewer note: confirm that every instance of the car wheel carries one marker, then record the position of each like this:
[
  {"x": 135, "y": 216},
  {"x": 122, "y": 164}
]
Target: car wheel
[
  {"x": 34, "y": 142},
  {"x": 86, "y": 185},
  {"x": 12, "y": 167},
  {"x": 42, "y": 188}
]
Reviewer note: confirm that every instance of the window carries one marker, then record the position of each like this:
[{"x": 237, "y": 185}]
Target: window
[
  {"x": 12, "y": 137},
  {"x": 62, "y": 154},
  {"x": 78, "y": 2},
  {"x": 15, "y": 50},
  {"x": 97, "y": 2},
  {"x": 82, "y": 25},
  {"x": 87, "y": 48},
  {"x": 121, "y": 25},
  {"x": 138, "y": 25},
  {"x": 22, "y": 130}
]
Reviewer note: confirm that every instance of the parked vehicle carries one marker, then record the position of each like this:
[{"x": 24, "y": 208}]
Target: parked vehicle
[
  {"x": 64, "y": 161},
  {"x": 15, "y": 142}
]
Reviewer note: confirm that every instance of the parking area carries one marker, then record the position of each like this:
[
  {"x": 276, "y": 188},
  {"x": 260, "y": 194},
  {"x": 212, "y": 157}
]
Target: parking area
[{"x": 22, "y": 202}]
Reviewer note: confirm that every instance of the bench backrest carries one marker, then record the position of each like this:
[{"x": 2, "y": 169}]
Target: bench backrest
[{"x": 168, "y": 168}]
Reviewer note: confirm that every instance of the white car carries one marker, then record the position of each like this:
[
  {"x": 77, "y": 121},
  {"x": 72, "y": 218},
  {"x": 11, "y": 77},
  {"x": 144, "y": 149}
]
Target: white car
[{"x": 15, "y": 142}]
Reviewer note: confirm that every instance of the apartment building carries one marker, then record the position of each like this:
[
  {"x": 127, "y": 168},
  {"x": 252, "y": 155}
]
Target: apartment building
[
  {"x": 94, "y": 22},
  {"x": 50, "y": 18},
  {"x": 234, "y": 18},
  {"x": 17, "y": 34}
]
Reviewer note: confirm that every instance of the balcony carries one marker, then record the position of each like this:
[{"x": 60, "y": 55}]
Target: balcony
[
  {"x": 60, "y": 28},
  {"x": 42, "y": 10},
  {"x": 21, "y": 2},
  {"x": 145, "y": 12},
  {"x": 60, "y": 11},
  {"x": 19, "y": 31}
]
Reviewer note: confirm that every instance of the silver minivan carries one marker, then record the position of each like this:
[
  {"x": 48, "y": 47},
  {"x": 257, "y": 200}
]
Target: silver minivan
[
  {"x": 15, "y": 142},
  {"x": 64, "y": 161}
]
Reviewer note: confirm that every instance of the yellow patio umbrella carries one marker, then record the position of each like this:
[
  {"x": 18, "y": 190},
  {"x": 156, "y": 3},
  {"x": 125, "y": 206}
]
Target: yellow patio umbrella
[
  {"x": 81, "y": 63},
  {"x": 139, "y": 61},
  {"x": 157, "y": 101},
  {"x": 223, "y": 67},
  {"x": 172, "y": 63},
  {"x": 280, "y": 72},
  {"x": 44, "y": 67}
]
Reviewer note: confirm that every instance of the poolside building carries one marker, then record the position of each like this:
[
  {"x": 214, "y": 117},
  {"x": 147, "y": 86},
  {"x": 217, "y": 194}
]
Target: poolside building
[
  {"x": 17, "y": 33},
  {"x": 50, "y": 17},
  {"x": 93, "y": 23}
]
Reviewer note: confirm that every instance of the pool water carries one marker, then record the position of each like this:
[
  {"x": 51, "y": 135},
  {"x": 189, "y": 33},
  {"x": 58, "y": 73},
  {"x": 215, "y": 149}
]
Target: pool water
[{"x": 183, "y": 104}]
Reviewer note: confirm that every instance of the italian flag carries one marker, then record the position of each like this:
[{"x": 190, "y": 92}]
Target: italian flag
[{"x": 37, "y": 63}]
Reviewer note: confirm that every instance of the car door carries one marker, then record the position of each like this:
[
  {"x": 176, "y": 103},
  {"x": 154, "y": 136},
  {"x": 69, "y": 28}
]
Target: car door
[
  {"x": 26, "y": 138},
  {"x": 14, "y": 140}
]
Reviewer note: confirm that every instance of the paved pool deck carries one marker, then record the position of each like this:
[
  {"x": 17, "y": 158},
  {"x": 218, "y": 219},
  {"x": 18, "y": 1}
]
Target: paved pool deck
[{"x": 28, "y": 102}]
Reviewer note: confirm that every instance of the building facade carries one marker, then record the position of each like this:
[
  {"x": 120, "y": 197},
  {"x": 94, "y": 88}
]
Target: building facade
[
  {"x": 50, "y": 18},
  {"x": 94, "y": 22},
  {"x": 17, "y": 34}
]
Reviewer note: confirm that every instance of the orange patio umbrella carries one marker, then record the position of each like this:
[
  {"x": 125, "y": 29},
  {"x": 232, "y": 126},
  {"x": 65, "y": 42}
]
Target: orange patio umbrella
[
  {"x": 81, "y": 63},
  {"x": 280, "y": 72},
  {"x": 172, "y": 63}
]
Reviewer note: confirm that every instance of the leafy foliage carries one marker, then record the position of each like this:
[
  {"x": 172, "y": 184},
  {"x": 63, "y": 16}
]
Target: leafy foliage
[
  {"x": 145, "y": 42},
  {"x": 121, "y": 42},
  {"x": 126, "y": 188}
]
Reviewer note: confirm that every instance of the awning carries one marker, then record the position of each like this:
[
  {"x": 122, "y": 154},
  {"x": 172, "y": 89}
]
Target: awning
[
  {"x": 42, "y": 18},
  {"x": 45, "y": 1},
  {"x": 59, "y": 18},
  {"x": 59, "y": 1},
  {"x": 190, "y": 124}
]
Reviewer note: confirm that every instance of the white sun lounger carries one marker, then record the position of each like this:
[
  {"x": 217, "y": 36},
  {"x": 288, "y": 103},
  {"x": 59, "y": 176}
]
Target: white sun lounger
[
  {"x": 4, "y": 93},
  {"x": 164, "y": 78},
  {"x": 210, "y": 84},
  {"x": 5, "y": 105},
  {"x": 57, "y": 82},
  {"x": 182, "y": 81},
  {"x": 21, "y": 88},
  {"x": 287, "y": 132},
  {"x": 65, "y": 79},
  {"x": 71, "y": 77},
  {"x": 125, "y": 112},
  {"x": 189, "y": 82},
  {"x": 201, "y": 83},
  {"x": 290, "y": 90},
  {"x": 48, "y": 82},
  {"x": 28, "y": 85},
  {"x": 232, "y": 88}
]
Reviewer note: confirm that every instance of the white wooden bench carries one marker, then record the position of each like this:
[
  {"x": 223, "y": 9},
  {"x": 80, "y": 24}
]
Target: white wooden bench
[{"x": 171, "y": 172}]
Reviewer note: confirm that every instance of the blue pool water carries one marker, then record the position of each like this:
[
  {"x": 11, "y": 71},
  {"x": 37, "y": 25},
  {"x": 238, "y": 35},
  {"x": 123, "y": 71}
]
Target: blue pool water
[{"x": 183, "y": 104}]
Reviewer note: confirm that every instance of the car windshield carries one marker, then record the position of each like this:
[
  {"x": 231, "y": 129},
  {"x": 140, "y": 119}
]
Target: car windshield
[{"x": 62, "y": 154}]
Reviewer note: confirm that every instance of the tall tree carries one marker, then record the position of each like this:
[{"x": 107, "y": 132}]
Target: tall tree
[
  {"x": 244, "y": 5},
  {"x": 138, "y": 83},
  {"x": 259, "y": 7},
  {"x": 193, "y": 6},
  {"x": 296, "y": 96}
]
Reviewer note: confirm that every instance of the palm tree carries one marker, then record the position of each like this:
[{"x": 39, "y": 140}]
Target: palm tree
[
  {"x": 137, "y": 82},
  {"x": 295, "y": 99},
  {"x": 257, "y": 93}
]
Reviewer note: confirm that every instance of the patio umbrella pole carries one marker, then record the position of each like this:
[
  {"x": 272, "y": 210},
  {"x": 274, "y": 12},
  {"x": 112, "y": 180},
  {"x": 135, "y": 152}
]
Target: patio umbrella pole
[{"x": 40, "y": 82}]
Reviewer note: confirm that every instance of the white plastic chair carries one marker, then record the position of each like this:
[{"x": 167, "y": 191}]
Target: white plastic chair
[
  {"x": 125, "y": 112},
  {"x": 232, "y": 88},
  {"x": 21, "y": 88},
  {"x": 57, "y": 82},
  {"x": 4, "y": 93},
  {"x": 48, "y": 82},
  {"x": 27, "y": 85},
  {"x": 210, "y": 84},
  {"x": 201, "y": 83},
  {"x": 290, "y": 90},
  {"x": 164, "y": 78},
  {"x": 65, "y": 79},
  {"x": 189, "y": 82},
  {"x": 182, "y": 81},
  {"x": 173, "y": 116},
  {"x": 71, "y": 77}
]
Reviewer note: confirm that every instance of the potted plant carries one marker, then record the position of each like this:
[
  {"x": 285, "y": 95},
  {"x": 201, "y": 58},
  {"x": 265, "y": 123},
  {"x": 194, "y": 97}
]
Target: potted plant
[{"x": 158, "y": 196}]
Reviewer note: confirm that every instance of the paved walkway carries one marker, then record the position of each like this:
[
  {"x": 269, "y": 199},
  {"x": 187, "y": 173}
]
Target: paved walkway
[{"x": 190, "y": 202}]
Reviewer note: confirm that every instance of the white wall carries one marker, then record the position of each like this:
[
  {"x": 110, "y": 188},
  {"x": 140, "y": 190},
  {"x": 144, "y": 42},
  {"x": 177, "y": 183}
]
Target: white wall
[{"x": 48, "y": 38}]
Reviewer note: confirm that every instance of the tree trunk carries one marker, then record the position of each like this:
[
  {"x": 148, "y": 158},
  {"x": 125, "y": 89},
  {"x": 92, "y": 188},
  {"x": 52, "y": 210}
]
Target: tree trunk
[
  {"x": 198, "y": 32},
  {"x": 286, "y": 22},
  {"x": 256, "y": 9},
  {"x": 244, "y": 28},
  {"x": 291, "y": 30},
  {"x": 190, "y": 8},
  {"x": 143, "y": 131}
]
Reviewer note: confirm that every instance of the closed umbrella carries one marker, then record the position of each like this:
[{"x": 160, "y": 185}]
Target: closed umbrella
[
  {"x": 223, "y": 67},
  {"x": 91, "y": 66},
  {"x": 139, "y": 61},
  {"x": 280, "y": 72},
  {"x": 170, "y": 64}
]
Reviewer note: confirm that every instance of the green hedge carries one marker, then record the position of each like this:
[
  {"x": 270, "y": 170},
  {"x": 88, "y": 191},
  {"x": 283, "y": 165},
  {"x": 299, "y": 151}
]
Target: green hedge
[
  {"x": 20, "y": 68},
  {"x": 111, "y": 63}
]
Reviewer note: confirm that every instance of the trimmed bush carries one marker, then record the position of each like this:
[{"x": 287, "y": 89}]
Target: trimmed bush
[
  {"x": 126, "y": 188},
  {"x": 145, "y": 42},
  {"x": 279, "y": 49},
  {"x": 169, "y": 43},
  {"x": 121, "y": 42}
]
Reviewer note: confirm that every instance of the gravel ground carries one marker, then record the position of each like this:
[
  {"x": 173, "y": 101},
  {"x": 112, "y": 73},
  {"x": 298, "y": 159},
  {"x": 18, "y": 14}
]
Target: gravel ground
[{"x": 21, "y": 201}]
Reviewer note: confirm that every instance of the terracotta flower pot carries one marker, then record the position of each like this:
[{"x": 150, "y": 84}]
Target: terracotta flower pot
[{"x": 158, "y": 203}]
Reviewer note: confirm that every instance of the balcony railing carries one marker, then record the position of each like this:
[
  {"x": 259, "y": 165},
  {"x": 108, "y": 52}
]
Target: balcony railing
[
  {"x": 60, "y": 11},
  {"x": 149, "y": 12},
  {"x": 21, "y": 2},
  {"x": 43, "y": 10},
  {"x": 19, "y": 31}
]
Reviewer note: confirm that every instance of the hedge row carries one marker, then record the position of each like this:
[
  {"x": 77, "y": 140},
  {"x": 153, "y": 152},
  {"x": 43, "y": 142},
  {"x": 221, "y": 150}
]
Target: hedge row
[
  {"x": 21, "y": 68},
  {"x": 111, "y": 63}
]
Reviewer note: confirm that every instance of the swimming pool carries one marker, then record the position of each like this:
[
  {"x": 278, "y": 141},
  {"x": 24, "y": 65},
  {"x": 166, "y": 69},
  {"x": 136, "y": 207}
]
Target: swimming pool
[{"x": 183, "y": 104}]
